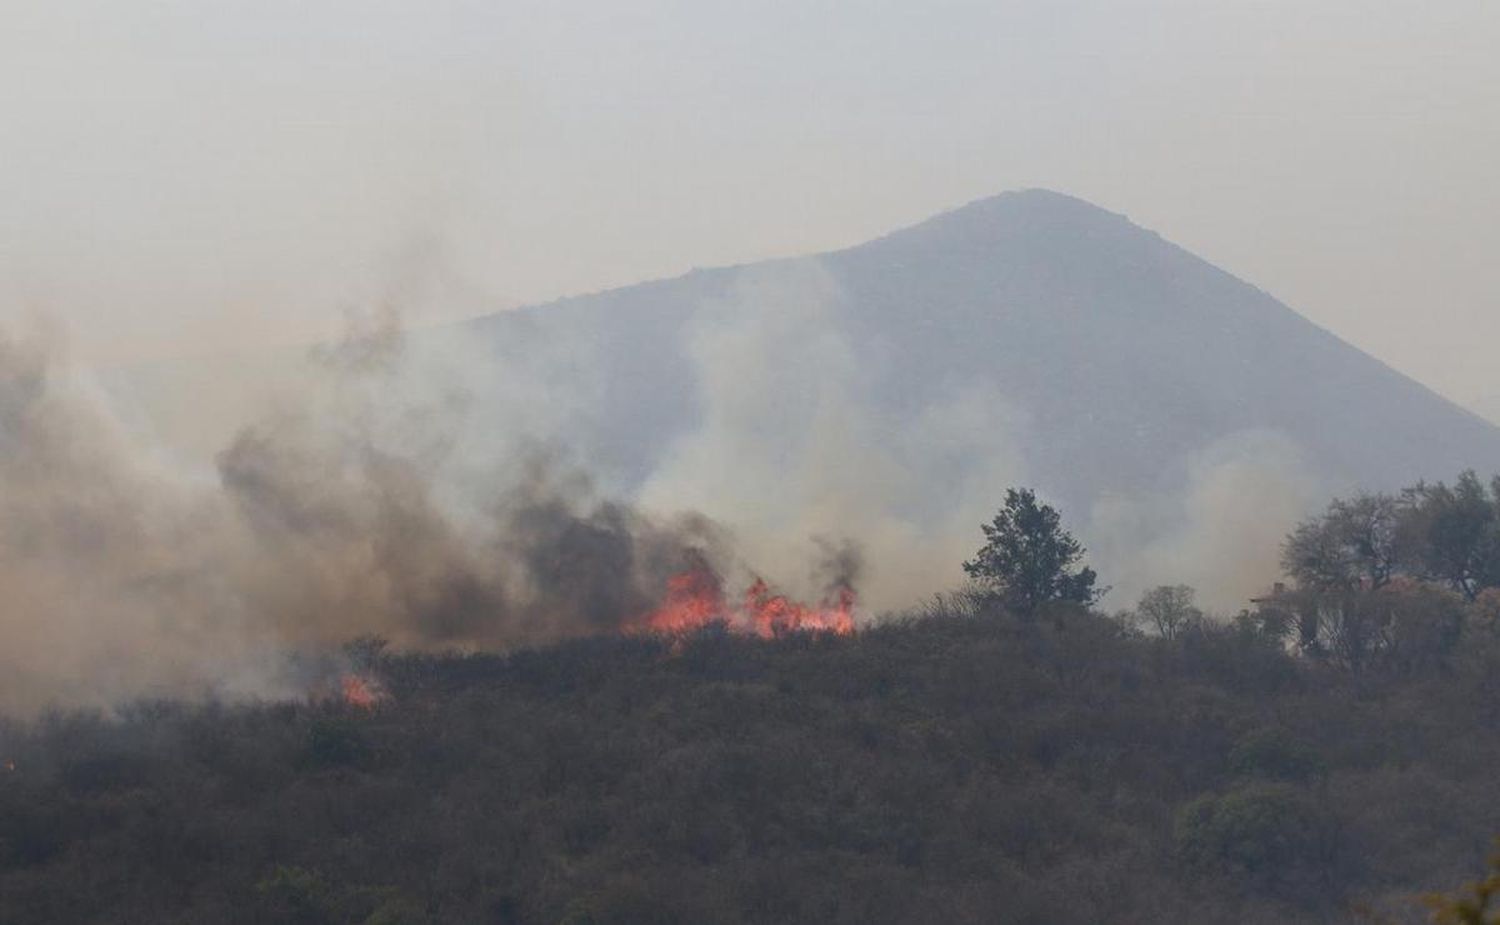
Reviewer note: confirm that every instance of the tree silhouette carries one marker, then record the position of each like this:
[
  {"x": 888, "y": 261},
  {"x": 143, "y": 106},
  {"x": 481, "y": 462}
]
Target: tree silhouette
[{"x": 1029, "y": 559}]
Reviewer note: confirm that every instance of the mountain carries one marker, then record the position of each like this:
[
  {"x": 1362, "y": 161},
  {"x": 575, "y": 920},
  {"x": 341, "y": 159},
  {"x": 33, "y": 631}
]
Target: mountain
[
  {"x": 1121, "y": 354},
  {"x": 889, "y": 393}
]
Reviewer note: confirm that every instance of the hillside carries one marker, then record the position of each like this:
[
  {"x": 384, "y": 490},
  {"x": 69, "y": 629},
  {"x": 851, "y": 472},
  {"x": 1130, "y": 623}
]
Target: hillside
[
  {"x": 1121, "y": 354},
  {"x": 965, "y": 767}
]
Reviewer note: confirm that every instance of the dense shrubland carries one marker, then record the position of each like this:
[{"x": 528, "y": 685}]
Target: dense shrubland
[
  {"x": 1330, "y": 751},
  {"x": 966, "y": 765}
]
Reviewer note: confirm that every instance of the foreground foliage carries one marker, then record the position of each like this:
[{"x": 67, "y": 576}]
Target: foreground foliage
[
  {"x": 964, "y": 766},
  {"x": 1475, "y": 904}
]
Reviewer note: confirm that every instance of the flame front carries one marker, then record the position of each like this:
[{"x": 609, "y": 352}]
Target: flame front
[
  {"x": 772, "y": 614},
  {"x": 359, "y": 692},
  {"x": 696, "y": 598}
]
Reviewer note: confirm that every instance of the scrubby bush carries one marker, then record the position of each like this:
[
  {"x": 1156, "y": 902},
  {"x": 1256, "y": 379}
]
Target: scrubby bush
[
  {"x": 1277, "y": 837},
  {"x": 964, "y": 765}
]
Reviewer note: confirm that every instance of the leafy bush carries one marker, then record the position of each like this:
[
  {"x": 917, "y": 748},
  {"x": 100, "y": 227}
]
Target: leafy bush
[
  {"x": 1275, "y": 754},
  {"x": 1273, "y": 835}
]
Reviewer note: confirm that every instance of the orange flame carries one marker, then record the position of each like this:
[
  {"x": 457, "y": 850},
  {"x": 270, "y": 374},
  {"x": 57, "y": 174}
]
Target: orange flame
[
  {"x": 696, "y": 599},
  {"x": 774, "y": 614},
  {"x": 359, "y": 692}
]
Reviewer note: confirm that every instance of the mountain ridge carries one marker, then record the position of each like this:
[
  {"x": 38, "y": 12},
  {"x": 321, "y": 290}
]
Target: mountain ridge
[
  {"x": 1028, "y": 271},
  {"x": 895, "y": 388}
]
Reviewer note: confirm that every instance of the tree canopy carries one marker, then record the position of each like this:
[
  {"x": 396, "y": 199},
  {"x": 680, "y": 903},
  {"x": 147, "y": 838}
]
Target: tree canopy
[
  {"x": 1029, "y": 559},
  {"x": 1169, "y": 609},
  {"x": 1448, "y": 535}
]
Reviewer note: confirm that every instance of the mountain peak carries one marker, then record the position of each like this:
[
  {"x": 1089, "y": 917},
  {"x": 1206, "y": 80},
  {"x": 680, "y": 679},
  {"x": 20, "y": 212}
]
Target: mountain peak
[
  {"x": 1124, "y": 357},
  {"x": 1037, "y": 204},
  {"x": 1037, "y": 197},
  {"x": 1022, "y": 218}
]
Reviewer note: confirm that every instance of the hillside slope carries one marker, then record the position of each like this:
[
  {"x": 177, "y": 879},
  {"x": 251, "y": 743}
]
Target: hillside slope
[
  {"x": 956, "y": 769},
  {"x": 1122, "y": 353}
]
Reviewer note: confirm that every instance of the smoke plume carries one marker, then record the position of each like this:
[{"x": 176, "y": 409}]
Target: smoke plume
[
  {"x": 435, "y": 496},
  {"x": 341, "y": 514},
  {"x": 790, "y": 449},
  {"x": 1219, "y": 533}
]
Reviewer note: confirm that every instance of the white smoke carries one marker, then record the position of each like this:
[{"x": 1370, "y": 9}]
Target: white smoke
[
  {"x": 441, "y": 496},
  {"x": 367, "y": 500},
  {"x": 1220, "y": 532},
  {"x": 789, "y": 450}
]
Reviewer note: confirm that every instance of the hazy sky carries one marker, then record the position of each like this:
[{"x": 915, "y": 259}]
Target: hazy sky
[{"x": 180, "y": 176}]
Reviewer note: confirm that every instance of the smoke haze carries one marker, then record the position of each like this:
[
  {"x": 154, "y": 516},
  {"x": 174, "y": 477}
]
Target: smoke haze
[
  {"x": 339, "y": 516},
  {"x": 791, "y": 448},
  {"x": 1221, "y": 533},
  {"x": 432, "y": 498},
  {"x": 183, "y": 178}
]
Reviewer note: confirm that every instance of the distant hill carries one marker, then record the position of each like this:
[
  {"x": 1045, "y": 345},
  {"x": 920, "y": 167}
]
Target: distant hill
[
  {"x": 1125, "y": 352},
  {"x": 1116, "y": 367}
]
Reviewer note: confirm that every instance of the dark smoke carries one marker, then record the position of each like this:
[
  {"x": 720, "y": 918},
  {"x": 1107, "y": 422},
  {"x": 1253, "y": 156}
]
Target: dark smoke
[
  {"x": 838, "y": 566},
  {"x": 358, "y": 544},
  {"x": 332, "y": 518}
]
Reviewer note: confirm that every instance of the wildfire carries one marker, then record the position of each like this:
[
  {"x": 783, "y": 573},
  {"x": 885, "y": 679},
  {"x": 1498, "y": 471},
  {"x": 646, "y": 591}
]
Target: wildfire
[
  {"x": 696, "y": 598},
  {"x": 360, "y": 692}
]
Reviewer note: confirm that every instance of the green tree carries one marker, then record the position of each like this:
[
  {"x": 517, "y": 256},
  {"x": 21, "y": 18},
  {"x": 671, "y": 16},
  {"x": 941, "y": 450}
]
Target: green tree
[
  {"x": 1356, "y": 543},
  {"x": 1277, "y": 836},
  {"x": 1029, "y": 559},
  {"x": 1458, "y": 531}
]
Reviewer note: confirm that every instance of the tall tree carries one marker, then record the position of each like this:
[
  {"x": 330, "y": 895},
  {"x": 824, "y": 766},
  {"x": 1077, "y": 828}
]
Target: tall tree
[
  {"x": 1458, "y": 531},
  {"x": 1354, "y": 544},
  {"x": 1029, "y": 559}
]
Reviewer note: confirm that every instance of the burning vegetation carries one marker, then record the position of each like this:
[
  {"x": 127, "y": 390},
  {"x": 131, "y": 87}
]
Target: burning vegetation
[
  {"x": 349, "y": 512},
  {"x": 953, "y": 767},
  {"x": 696, "y": 599},
  {"x": 360, "y": 691}
]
